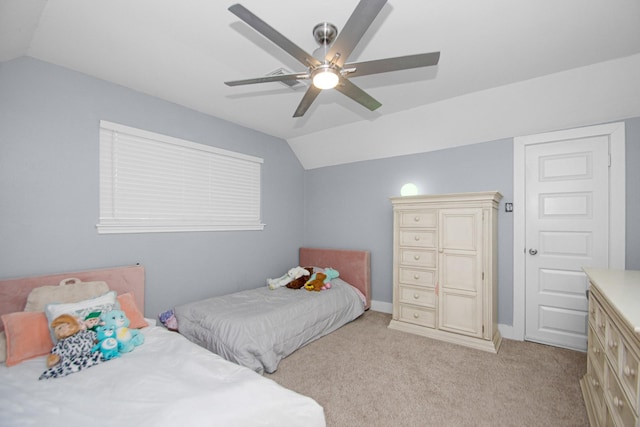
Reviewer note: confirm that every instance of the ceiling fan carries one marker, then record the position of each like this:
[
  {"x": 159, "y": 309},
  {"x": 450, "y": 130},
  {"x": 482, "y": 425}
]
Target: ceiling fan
[{"x": 331, "y": 70}]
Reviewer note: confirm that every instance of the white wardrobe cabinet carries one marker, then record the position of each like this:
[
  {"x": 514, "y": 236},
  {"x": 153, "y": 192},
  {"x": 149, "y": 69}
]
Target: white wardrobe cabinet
[{"x": 445, "y": 268}]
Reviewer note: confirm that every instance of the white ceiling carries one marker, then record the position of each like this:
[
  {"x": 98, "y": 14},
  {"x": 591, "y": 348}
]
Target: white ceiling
[{"x": 183, "y": 51}]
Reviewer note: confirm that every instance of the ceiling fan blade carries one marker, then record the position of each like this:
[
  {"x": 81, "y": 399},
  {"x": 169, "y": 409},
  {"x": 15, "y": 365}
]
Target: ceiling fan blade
[
  {"x": 267, "y": 79},
  {"x": 354, "y": 29},
  {"x": 269, "y": 32},
  {"x": 310, "y": 95},
  {"x": 357, "y": 94},
  {"x": 393, "y": 64}
]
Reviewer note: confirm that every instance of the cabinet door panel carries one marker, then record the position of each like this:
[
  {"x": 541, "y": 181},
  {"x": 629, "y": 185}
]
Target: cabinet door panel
[{"x": 459, "y": 313}]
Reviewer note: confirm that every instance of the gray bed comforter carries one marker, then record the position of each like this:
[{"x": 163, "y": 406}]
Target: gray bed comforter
[{"x": 259, "y": 327}]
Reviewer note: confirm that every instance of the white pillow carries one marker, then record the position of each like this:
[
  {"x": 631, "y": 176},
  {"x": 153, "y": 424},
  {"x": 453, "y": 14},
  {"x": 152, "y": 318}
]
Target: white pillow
[{"x": 82, "y": 309}]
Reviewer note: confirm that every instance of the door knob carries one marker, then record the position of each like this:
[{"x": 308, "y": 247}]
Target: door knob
[{"x": 533, "y": 251}]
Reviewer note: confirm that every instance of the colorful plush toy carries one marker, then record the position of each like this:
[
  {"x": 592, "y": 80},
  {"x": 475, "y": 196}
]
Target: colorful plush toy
[
  {"x": 300, "y": 281},
  {"x": 72, "y": 352},
  {"x": 287, "y": 278},
  {"x": 107, "y": 343},
  {"x": 127, "y": 338},
  {"x": 321, "y": 281}
]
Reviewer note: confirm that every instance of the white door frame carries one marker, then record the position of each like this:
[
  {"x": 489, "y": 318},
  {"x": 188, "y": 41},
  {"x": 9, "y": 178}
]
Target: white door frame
[{"x": 617, "y": 230}]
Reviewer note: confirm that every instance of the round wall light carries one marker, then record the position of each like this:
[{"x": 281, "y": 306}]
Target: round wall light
[{"x": 409, "y": 189}]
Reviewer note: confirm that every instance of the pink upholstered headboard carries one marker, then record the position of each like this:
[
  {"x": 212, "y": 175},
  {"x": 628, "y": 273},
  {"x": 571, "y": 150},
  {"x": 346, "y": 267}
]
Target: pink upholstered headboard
[
  {"x": 14, "y": 292},
  {"x": 354, "y": 266}
]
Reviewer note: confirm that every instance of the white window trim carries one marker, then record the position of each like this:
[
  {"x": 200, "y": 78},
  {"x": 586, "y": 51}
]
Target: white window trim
[{"x": 233, "y": 217}]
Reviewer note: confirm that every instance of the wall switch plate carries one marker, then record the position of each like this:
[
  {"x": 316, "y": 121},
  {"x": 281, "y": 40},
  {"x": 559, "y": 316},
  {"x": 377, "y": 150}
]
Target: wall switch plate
[{"x": 508, "y": 207}]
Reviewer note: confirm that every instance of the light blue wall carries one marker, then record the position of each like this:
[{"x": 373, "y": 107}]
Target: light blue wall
[
  {"x": 49, "y": 193},
  {"x": 347, "y": 206},
  {"x": 49, "y": 119}
]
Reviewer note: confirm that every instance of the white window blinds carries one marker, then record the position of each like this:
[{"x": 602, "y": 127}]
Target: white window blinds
[{"x": 155, "y": 183}]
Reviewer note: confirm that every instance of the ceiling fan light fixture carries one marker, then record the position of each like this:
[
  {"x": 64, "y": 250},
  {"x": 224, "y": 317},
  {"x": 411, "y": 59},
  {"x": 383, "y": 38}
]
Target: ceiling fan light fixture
[{"x": 325, "y": 78}]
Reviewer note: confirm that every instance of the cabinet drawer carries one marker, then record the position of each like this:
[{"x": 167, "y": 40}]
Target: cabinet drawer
[
  {"x": 629, "y": 374},
  {"x": 597, "y": 313},
  {"x": 418, "y": 257},
  {"x": 613, "y": 343},
  {"x": 594, "y": 382},
  {"x": 419, "y": 296},
  {"x": 595, "y": 352},
  {"x": 418, "y": 277},
  {"x": 621, "y": 410},
  {"x": 418, "y": 315},
  {"x": 418, "y": 238},
  {"x": 422, "y": 218}
]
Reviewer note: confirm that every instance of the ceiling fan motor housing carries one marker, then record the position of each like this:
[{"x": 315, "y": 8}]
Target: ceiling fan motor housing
[{"x": 325, "y": 33}]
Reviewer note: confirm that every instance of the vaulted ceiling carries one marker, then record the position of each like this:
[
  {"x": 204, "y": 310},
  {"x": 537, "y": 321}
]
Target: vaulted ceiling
[{"x": 183, "y": 50}]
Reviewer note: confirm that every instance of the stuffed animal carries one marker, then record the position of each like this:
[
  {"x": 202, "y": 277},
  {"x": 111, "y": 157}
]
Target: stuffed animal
[
  {"x": 321, "y": 281},
  {"x": 107, "y": 343},
  {"x": 316, "y": 282},
  {"x": 287, "y": 278},
  {"x": 300, "y": 281},
  {"x": 72, "y": 352},
  {"x": 127, "y": 338}
]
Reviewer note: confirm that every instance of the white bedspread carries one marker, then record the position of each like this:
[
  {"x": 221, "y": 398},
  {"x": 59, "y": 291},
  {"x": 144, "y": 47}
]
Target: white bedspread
[{"x": 166, "y": 381}]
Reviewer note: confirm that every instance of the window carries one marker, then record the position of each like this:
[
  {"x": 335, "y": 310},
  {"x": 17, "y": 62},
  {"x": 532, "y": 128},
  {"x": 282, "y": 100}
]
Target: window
[{"x": 156, "y": 183}]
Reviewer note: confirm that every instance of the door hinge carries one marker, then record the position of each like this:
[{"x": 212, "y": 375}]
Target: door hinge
[
  {"x": 483, "y": 329},
  {"x": 483, "y": 275},
  {"x": 609, "y": 159}
]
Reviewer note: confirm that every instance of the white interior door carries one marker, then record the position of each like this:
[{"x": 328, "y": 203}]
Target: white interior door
[{"x": 567, "y": 228}]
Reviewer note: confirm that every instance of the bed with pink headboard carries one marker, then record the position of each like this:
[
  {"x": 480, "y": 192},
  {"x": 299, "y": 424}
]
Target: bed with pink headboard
[
  {"x": 211, "y": 390},
  {"x": 258, "y": 327},
  {"x": 14, "y": 292}
]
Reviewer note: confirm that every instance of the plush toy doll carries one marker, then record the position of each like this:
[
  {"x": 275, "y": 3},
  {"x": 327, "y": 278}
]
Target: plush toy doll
[
  {"x": 287, "y": 278},
  {"x": 321, "y": 281},
  {"x": 127, "y": 338},
  {"x": 300, "y": 281},
  {"x": 72, "y": 352},
  {"x": 107, "y": 343}
]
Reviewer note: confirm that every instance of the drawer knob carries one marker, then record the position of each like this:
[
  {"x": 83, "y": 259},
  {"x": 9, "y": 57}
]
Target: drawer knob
[
  {"x": 416, "y": 257},
  {"x": 416, "y": 315},
  {"x": 618, "y": 403},
  {"x": 416, "y": 296},
  {"x": 416, "y": 276},
  {"x": 596, "y": 350},
  {"x": 416, "y": 219},
  {"x": 613, "y": 344},
  {"x": 595, "y": 382},
  {"x": 417, "y": 238},
  {"x": 630, "y": 372}
]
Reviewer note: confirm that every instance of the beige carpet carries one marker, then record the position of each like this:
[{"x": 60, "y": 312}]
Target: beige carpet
[{"x": 365, "y": 374}]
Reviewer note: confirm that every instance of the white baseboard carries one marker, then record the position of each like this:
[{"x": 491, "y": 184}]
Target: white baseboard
[
  {"x": 509, "y": 332},
  {"x": 384, "y": 307}
]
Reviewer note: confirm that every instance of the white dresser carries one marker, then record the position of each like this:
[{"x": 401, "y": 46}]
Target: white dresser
[
  {"x": 445, "y": 268},
  {"x": 610, "y": 387}
]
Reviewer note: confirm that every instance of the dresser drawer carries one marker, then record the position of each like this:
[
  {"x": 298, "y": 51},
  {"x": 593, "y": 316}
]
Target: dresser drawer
[
  {"x": 418, "y": 238},
  {"x": 613, "y": 344},
  {"x": 628, "y": 374},
  {"x": 425, "y": 297},
  {"x": 418, "y": 315},
  {"x": 599, "y": 318},
  {"x": 595, "y": 352},
  {"x": 595, "y": 384},
  {"x": 418, "y": 257},
  {"x": 422, "y": 218},
  {"x": 619, "y": 406},
  {"x": 418, "y": 277}
]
